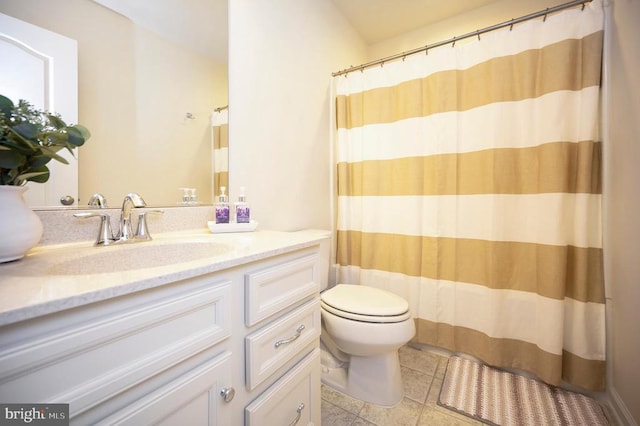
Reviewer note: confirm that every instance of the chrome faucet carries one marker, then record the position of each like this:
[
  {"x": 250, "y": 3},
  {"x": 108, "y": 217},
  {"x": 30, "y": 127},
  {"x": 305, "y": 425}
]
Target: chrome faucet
[
  {"x": 131, "y": 201},
  {"x": 98, "y": 201},
  {"x": 125, "y": 229}
]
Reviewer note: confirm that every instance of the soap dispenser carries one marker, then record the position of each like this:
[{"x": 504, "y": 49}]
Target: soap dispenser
[
  {"x": 222, "y": 207},
  {"x": 243, "y": 212},
  {"x": 189, "y": 196}
]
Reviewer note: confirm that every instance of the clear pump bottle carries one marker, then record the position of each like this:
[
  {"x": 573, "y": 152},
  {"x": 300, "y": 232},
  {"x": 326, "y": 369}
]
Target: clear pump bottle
[
  {"x": 222, "y": 207},
  {"x": 242, "y": 210}
]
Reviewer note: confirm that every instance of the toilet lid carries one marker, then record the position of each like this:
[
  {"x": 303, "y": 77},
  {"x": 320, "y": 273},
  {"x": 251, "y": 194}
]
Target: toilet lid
[{"x": 363, "y": 300}]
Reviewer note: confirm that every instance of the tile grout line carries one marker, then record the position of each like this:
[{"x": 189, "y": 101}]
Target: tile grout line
[{"x": 422, "y": 404}]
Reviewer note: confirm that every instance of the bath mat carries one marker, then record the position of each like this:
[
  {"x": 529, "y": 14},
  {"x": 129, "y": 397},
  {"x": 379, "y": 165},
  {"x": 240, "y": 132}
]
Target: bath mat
[{"x": 501, "y": 398}]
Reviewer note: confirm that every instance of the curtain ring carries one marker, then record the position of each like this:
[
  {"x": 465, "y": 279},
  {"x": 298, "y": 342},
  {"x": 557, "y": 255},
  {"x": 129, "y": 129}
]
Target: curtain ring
[
  {"x": 511, "y": 26},
  {"x": 478, "y": 34},
  {"x": 583, "y": 5},
  {"x": 545, "y": 16},
  {"x": 454, "y": 42},
  {"x": 404, "y": 57},
  {"x": 426, "y": 50}
]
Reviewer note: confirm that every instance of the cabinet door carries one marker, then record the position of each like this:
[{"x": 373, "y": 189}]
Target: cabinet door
[
  {"x": 132, "y": 340},
  {"x": 194, "y": 399},
  {"x": 292, "y": 400}
]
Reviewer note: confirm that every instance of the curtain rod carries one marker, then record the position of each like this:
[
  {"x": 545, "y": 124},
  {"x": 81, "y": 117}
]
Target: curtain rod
[
  {"x": 222, "y": 108},
  {"x": 476, "y": 33}
]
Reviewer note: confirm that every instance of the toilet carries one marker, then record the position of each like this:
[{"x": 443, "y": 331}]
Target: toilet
[{"x": 362, "y": 330}]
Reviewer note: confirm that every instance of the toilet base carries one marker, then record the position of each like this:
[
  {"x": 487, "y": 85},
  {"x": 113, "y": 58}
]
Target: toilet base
[{"x": 376, "y": 379}]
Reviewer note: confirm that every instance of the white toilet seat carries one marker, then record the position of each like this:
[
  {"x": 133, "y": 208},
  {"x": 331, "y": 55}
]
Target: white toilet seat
[
  {"x": 366, "y": 304},
  {"x": 365, "y": 318}
]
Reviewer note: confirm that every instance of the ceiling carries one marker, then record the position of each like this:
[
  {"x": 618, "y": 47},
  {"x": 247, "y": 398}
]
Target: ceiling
[
  {"x": 202, "y": 24},
  {"x": 384, "y": 19}
]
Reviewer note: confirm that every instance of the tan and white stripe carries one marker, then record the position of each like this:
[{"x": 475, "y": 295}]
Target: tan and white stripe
[
  {"x": 469, "y": 183},
  {"x": 490, "y": 127},
  {"x": 220, "y": 128},
  {"x": 547, "y": 218}
]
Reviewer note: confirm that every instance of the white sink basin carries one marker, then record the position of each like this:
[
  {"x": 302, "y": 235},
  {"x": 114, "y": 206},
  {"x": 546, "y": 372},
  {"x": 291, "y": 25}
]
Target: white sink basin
[{"x": 128, "y": 257}]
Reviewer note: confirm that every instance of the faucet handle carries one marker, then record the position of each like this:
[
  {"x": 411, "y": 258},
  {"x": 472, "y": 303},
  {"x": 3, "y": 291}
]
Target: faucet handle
[
  {"x": 142, "y": 232},
  {"x": 105, "y": 234}
]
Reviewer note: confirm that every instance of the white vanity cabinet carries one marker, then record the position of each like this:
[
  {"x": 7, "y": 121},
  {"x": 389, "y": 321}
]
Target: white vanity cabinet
[
  {"x": 282, "y": 299},
  {"x": 107, "y": 357},
  {"x": 231, "y": 346}
]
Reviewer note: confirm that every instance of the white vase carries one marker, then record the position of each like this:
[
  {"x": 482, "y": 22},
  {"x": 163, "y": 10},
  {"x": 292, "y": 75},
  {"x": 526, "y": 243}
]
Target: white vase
[{"x": 20, "y": 227}]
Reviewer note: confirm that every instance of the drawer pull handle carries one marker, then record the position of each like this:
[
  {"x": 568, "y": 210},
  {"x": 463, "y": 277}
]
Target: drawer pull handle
[
  {"x": 299, "y": 411},
  {"x": 290, "y": 339}
]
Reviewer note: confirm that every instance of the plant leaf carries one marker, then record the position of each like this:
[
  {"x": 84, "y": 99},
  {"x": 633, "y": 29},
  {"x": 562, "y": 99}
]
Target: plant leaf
[
  {"x": 56, "y": 121},
  {"x": 51, "y": 153},
  {"x": 11, "y": 159},
  {"x": 16, "y": 137},
  {"x": 40, "y": 175},
  {"x": 6, "y": 106},
  {"x": 9, "y": 177},
  {"x": 53, "y": 139},
  {"x": 30, "y": 138},
  {"x": 38, "y": 161},
  {"x": 11, "y": 144},
  {"x": 86, "y": 134},
  {"x": 76, "y": 136},
  {"x": 26, "y": 130}
]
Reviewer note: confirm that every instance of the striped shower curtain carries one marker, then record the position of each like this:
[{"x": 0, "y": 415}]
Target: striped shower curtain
[
  {"x": 469, "y": 183},
  {"x": 220, "y": 125}
]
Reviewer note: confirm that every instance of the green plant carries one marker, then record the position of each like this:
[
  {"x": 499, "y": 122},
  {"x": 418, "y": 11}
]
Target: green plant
[{"x": 30, "y": 138}]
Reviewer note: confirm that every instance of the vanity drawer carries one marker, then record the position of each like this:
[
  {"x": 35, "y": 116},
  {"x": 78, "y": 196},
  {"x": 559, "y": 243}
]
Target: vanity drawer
[
  {"x": 91, "y": 359},
  {"x": 292, "y": 400},
  {"x": 271, "y": 347},
  {"x": 277, "y": 287}
]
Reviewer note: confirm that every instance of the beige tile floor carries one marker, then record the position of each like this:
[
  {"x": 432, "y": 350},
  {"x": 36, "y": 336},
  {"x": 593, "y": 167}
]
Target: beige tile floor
[{"x": 422, "y": 373}]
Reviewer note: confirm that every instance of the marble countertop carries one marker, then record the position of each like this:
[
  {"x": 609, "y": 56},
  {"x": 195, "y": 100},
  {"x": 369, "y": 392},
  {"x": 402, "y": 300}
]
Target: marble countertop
[{"x": 59, "y": 277}]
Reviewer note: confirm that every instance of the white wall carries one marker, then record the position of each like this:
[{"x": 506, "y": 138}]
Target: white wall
[
  {"x": 622, "y": 205},
  {"x": 493, "y": 13},
  {"x": 281, "y": 56}
]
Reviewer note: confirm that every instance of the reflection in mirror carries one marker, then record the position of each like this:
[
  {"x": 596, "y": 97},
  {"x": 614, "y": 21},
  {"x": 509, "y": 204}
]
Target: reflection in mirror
[
  {"x": 220, "y": 126},
  {"x": 146, "y": 95},
  {"x": 41, "y": 66}
]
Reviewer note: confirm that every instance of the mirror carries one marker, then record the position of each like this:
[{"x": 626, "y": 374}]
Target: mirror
[
  {"x": 220, "y": 125},
  {"x": 150, "y": 75}
]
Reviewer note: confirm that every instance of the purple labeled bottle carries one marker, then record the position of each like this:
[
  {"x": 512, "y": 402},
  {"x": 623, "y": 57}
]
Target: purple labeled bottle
[
  {"x": 243, "y": 212},
  {"x": 222, "y": 207}
]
